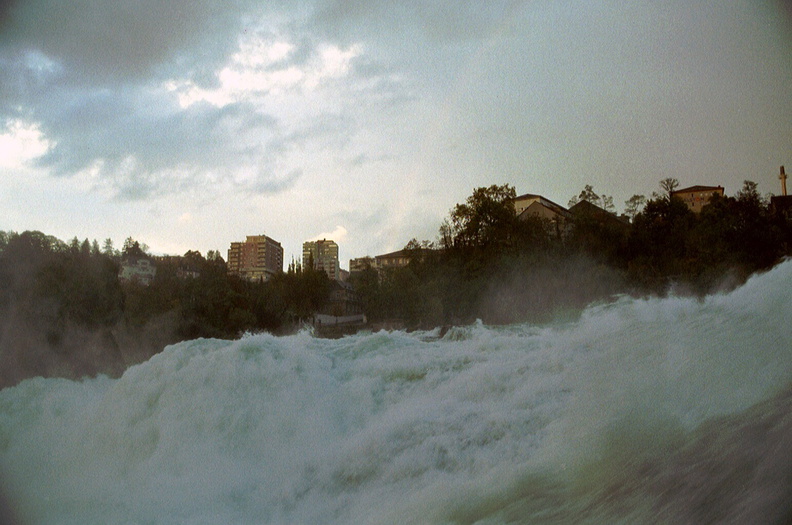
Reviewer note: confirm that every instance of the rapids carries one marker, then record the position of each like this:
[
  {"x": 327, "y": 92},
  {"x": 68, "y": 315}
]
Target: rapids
[{"x": 661, "y": 410}]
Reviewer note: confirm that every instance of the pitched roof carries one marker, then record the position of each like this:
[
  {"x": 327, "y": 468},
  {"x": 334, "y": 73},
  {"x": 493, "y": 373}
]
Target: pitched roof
[
  {"x": 692, "y": 189},
  {"x": 586, "y": 208},
  {"x": 542, "y": 200},
  {"x": 589, "y": 207},
  {"x": 399, "y": 253}
]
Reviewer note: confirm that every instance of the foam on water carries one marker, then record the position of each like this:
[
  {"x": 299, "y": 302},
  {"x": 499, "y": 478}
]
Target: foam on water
[{"x": 593, "y": 421}]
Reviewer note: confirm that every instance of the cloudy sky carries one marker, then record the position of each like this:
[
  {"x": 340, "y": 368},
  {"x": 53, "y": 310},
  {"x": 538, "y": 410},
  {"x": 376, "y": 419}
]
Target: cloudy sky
[{"x": 193, "y": 125}]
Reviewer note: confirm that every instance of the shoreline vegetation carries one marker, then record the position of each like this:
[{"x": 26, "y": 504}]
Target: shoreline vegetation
[{"x": 66, "y": 314}]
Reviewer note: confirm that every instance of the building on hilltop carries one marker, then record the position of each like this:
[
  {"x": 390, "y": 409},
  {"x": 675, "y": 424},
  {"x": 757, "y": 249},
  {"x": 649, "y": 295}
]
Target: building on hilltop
[
  {"x": 136, "y": 266},
  {"x": 590, "y": 211},
  {"x": 530, "y": 205},
  {"x": 538, "y": 205},
  {"x": 397, "y": 259},
  {"x": 187, "y": 266},
  {"x": 137, "y": 269},
  {"x": 258, "y": 258},
  {"x": 322, "y": 255},
  {"x": 360, "y": 264},
  {"x": 696, "y": 197},
  {"x": 391, "y": 260},
  {"x": 182, "y": 266}
]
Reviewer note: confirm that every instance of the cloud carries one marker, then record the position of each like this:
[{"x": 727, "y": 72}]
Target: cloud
[
  {"x": 339, "y": 235},
  {"x": 397, "y": 107},
  {"x": 83, "y": 87},
  {"x": 143, "y": 144},
  {"x": 364, "y": 159},
  {"x": 111, "y": 42},
  {"x": 268, "y": 183},
  {"x": 441, "y": 22},
  {"x": 262, "y": 67},
  {"x": 20, "y": 143},
  {"x": 241, "y": 119}
]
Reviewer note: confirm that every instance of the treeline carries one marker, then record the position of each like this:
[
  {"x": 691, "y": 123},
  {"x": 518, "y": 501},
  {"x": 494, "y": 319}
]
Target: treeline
[
  {"x": 64, "y": 311},
  {"x": 211, "y": 303},
  {"x": 491, "y": 265}
]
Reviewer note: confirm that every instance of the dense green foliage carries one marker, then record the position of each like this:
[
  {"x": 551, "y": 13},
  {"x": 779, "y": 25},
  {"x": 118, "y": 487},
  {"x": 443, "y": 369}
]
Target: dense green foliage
[
  {"x": 65, "y": 312},
  {"x": 497, "y": 268}
]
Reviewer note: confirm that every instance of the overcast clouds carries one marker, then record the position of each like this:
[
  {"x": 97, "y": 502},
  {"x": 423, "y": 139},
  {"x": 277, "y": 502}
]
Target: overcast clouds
[{"x": 193, "y": 125}]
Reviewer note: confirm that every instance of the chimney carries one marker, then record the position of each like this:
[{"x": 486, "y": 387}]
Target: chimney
[{"x": 782, "y": 176}]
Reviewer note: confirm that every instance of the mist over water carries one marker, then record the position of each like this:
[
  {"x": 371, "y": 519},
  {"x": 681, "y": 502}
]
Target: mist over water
[{"x": 671, "y": 410}]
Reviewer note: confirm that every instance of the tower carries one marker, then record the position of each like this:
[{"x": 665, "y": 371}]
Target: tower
[
  {"x": 783, "y": 178},
  {"x": 259, "y": 257},
  {"x": 324, "y": 256}
]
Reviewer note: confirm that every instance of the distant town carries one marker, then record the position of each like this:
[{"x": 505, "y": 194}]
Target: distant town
[
  {"x": 259, "y": 257},
  {"x": 76, "y": 308}
]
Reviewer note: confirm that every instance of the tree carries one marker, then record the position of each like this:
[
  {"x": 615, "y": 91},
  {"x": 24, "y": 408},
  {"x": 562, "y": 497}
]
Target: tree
[
  {"x": 85, "y": 248},
  {"x": 446, "y": 235},
  {"x": 668, "y": 185},
  {"x": 587, "y": 195},
  {"x": 214, "y": 256},
  {"x": 660, "y": 244},
  {"x": 302, "y": 291},
  {"x": 23, "y": 255},
  {"x": 133, "y": 250},
  {"x": 607, "y": 204},
  {"x": 367, "y": 286},
  {"x": 412, "y": 244},
  {"x": 633, "y": 206},
  {"x": 486, "y": 219},
  {"x": 749, "y": 195},
  {"x": 108, "y": 249},
  {"x": 4, "y": 237},
  {"x": 754, "y": 237},
  {"x": 294, "y": 267}
]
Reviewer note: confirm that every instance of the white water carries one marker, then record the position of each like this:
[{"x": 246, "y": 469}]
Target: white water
[{"x": 606, "y": 419}]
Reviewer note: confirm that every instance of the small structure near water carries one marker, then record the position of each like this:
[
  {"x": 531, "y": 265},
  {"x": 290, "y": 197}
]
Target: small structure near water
[{"x": 333, "y": 326}]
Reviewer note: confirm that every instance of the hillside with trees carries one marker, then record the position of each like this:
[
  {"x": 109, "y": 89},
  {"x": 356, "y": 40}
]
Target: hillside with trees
[
  {"x": 65, "y": 312},
  {"x": 490, "y": 265}
]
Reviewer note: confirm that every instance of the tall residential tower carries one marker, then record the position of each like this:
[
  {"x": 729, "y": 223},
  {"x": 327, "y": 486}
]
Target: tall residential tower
[
  {"x": 258, "y": 258},
  {"x": 322, "y": 255}
]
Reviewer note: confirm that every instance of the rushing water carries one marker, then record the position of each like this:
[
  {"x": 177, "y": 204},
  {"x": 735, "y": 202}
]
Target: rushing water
[{"x": 643, "y": 411}]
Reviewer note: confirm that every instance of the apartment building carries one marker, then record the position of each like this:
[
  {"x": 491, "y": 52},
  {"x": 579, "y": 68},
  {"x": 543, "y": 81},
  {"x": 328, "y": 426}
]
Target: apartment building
[
  {"x": 696, "y": 197},
  {"x": 322, "y": 255},
  {"x": 256, "y": 259}
]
